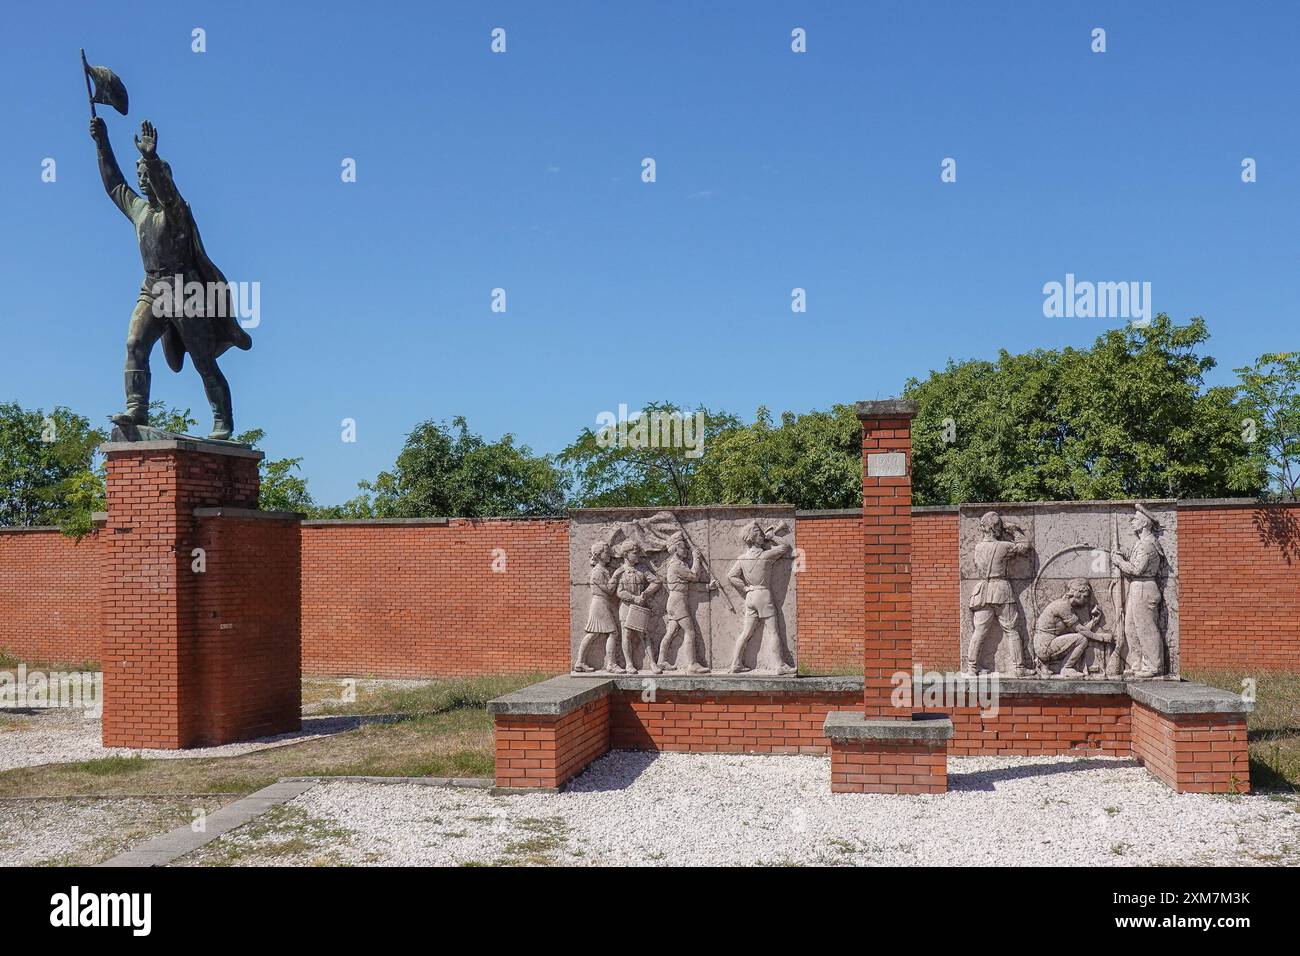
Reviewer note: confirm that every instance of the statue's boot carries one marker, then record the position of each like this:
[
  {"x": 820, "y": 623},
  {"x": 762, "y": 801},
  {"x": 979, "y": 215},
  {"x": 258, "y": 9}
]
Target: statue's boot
[
  {"x": 137, "y": 400},
  {"x": 223, "y": 418}
]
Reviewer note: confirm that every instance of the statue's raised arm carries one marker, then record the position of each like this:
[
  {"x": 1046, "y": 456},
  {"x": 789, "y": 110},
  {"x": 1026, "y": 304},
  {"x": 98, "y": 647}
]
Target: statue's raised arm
[
  {"x": 154, "y": 171},
  {"x": 123, "y": 196}
]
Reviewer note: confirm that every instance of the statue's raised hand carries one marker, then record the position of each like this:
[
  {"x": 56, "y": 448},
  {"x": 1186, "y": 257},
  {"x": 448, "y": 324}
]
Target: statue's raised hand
[
  {"x": 147, "y": 141},
  {"x": 98, "y": 131}
]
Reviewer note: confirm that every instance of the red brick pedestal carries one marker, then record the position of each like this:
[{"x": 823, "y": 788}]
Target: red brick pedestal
[
  {"x": 200, "y": 599},
  {"x": 878, "y": 755},
  {"x": 883, "y": 749}
]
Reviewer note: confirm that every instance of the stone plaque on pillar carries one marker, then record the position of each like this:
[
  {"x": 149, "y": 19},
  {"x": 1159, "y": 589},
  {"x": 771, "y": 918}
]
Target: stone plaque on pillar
[{"x": 891, "y": 464}]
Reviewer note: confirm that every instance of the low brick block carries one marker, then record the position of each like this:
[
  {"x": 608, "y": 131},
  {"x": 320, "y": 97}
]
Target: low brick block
[
  {"x": 1193, "y": 753},
  {"x": 543, "y": 751},
  {"x": 883, "y": 755},
  {"x": 876, "y": 766},
  {"x": 720, "y": 722}
]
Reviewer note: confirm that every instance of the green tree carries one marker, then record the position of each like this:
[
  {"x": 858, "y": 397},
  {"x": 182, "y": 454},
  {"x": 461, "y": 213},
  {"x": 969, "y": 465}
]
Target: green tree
[
  {"x": 449, "y": 471},
  {"x": 282, "y": 486},
  {"x": 811, "y": 460},
  {"x": 178, "y": 421},
  {"x": 1270, "y": 389},
  {"x": 660, "y": 462},
  {"x": 1129, "y": 417},
  {"x": 47, "y": 468}
]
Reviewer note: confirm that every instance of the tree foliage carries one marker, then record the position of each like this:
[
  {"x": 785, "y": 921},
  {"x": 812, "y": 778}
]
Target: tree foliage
[
  {"x": 628, "y": 466},
  {"x": 448, "y": 471},
  {"x": 282, "y": 486},
  {"x": 1270, "y": 389},
  {"x": 1128, "y": 418},
  {"x": 47, "y": 473},
  {"x": 810, "y": 460}
]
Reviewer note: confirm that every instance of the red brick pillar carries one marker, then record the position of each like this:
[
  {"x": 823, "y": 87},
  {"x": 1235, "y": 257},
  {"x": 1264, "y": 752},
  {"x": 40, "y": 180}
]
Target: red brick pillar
[
  {"x": 887, "y": 530},
  {"x": 185, "y": 649}
]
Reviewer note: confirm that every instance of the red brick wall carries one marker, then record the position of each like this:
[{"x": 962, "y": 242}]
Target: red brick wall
[
  {"x": 536, "y": 751},
  {"x": 1239, "y": 586},
  {"x": 699, "y": 722},
  {"x": 830, "y": 592},
  {"x": 1197, "y": 753},
  {"x": 419, "y": 600},
  {"x": 369, "y": 602},
  {"x": 1042, "y": 726},
  {"x": 49, "y": 596},
  {"x": 936, "y": 597},
  {"x": 424, "y": 600}
]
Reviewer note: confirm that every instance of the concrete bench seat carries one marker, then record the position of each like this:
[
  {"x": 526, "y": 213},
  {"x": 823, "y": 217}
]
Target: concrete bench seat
[{"x": 1187, "y": 697}]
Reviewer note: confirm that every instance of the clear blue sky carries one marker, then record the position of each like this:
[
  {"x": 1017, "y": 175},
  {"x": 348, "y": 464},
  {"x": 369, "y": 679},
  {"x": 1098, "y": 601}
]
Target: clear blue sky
[{"x": 522, "y": 171}]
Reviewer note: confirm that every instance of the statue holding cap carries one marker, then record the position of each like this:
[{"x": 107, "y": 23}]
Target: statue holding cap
[{"x": 993, "y": 604}]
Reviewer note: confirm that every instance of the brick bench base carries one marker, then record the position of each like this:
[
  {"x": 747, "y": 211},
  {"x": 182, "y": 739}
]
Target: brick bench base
[
  {"x": 873, "y": 767},
  {"x": 546, "y": 734},
  {"x": 542, "y": 752},
  {"x": 1193, "y": 753},
  {"x": 883, "y": 755},
  {"x": 1191, "y": 737},
  {"x": 1040, "y": 726}
]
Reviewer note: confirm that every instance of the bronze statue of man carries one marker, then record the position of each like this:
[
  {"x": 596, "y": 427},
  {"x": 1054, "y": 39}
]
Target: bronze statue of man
[{"x": 203, "y": 325}]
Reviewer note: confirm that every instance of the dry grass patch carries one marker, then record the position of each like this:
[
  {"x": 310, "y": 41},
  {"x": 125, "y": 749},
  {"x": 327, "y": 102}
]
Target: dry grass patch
[
  {"x": 442, "y": 730},
  {"x": 1274, "y": 727}
]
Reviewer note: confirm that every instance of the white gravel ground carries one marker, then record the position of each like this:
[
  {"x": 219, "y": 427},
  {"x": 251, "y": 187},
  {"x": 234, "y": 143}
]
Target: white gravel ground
[
  {"x": 61, "y": 736},
  {"x": 80, "y": 832},
  {"x": 684, "y": 809}
]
